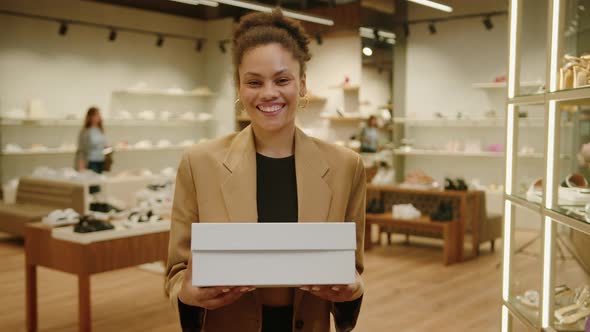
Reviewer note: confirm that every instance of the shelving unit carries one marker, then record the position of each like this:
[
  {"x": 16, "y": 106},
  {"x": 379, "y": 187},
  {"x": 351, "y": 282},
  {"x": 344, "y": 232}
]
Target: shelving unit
[
  {"x": 564, "y": 230},
  {"x": 53, "y": 132},
  {"x": 502, "y": 85},
  {"x": 202, "y": 92}
]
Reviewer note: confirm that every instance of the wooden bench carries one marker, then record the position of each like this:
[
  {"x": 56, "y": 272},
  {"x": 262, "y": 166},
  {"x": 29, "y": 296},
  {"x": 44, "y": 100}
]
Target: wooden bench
[
  {"x": 36, "y": 198},
  {"x": 449, "y": 231}
]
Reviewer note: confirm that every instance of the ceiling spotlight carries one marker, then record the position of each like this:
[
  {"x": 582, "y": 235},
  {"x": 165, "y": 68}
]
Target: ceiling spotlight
[
  {"x": 63, "y": 29},
  {"x": 487, "y": 22},
  {"x": 113, "y": 35},
  {"x": 367, "y": 51},
  {"x": 199, "y": 46},
  {"x": 160, "y": 41},
  {"x": 318, "y": 38},
  {"x": 432, "y": 28},
  {"x": 222, "y": 47}
]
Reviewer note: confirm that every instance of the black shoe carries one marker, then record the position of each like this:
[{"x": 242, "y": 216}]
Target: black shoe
[
  {"x": 444, "y": 212},
  {"x": 88, "y": 224},
  {"x": 461, "y": 185},
  {"x": 371, "y": 206},
  {"x": 450, "y": 184}
]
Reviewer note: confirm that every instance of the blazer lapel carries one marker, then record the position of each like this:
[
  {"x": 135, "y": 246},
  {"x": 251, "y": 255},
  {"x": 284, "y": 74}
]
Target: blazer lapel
[
  {"x": 314, "y": 196},
  {"x": 239, "y": 187}
]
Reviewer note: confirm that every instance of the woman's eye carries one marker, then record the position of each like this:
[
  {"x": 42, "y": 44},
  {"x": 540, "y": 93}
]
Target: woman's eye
[
  {"x": 253, "y": 83},
  {"x": 283, "y": 81}
]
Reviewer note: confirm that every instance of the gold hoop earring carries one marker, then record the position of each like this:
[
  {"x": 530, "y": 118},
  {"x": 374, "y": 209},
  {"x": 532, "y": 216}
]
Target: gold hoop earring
[
  {"x": 239, "y": 109},
  {"x": 302, "y": 107}
]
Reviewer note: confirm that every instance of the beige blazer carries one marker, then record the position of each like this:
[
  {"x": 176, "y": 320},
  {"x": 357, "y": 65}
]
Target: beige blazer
[{"x": 216, "y": 182}]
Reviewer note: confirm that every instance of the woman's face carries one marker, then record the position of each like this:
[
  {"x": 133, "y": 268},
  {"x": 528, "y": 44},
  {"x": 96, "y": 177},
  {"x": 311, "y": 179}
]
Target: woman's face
[
  {"x": 270, "y": 86},
  {"x": 95, "y": 120}
]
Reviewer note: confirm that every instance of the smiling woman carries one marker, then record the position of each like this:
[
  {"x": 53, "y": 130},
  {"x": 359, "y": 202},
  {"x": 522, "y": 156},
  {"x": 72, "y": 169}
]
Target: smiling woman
[{"x": 269, "y": 172}]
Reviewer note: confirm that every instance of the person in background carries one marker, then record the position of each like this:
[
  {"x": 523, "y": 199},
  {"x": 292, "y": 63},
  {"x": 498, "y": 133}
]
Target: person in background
[
  {"x": 91, "y": 143},
  {"x": 369, "y": 136}
]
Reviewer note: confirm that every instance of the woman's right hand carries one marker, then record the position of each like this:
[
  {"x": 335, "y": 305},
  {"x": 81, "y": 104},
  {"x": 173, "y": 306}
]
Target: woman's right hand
[{"x": 208, "y": 297}]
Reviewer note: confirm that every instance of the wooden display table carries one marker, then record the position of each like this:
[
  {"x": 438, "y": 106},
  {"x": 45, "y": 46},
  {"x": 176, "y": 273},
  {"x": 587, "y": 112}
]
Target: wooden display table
[
  {"x": 84, "y": 259},
  {"x": 466, "y": 212}
]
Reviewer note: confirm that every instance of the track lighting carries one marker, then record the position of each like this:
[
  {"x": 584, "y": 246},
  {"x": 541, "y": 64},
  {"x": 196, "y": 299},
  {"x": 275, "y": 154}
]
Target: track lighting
[
  {"x": 487, "y": 22},
  {"x": 160, "y": 41},
  {"x": 367, "y": 51},
  {"x": 113, "y": 35},
  {"x": 199, "y": 46},
  {"x": 63, "y": 29},
  {"x": 432, "y": 28},
  {"x": 222, "y": 47}
]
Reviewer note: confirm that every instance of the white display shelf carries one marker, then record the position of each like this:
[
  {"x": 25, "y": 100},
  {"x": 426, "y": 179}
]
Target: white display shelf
[
  {"x": 164, "y": 92},
  {"x": 475, "y": 122},
  {"x": 500, "y": 85},
  {"x": 50, "y": 151},
  {"x": 421, "y": 152},
  {"x": 107, "y": 122},
  {"x": 346, "y": 87},
  {"x": 337, "y": 118}
]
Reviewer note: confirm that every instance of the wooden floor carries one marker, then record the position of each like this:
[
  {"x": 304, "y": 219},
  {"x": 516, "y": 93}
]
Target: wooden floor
[{"x": 407, "y": 289}]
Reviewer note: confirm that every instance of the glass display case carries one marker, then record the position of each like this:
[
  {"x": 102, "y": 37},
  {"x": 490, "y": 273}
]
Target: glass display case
[{"x": 550, "y": 290}]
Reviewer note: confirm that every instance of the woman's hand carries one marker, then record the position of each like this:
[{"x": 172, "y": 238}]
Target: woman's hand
[
  {"x": 208, "y": 297},
  {"x": 337, "y": 293}
]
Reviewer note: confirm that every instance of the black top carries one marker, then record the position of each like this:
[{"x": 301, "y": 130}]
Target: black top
[{"x": 276, "y": 189}]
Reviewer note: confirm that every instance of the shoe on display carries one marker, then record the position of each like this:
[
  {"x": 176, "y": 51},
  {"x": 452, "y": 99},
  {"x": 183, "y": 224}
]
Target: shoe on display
[
  {"x": 530, "y": 299},
  {"x": 124, "y": 115},
  {"x": 168, "y": 172},
  {"x": 574, "y": 190},
  {"x": 146, "y": 115},
  {"x": 188, "y": 116},
  {"x": 405, "y": 211},
  {"x": 175, "y": 90},
  {"x": 10, "y": 147},
  {"x": 165, "y": 115},
  {"x": 444, "y": 212},
  {"x": 163, "y": 143},
  {"x": 143, "y": 144},
  {"x": 574, "y": 312},
  {"x": 187, "y": 142},
  {"x": 375, "y": 206},
  {"x": 204, "y": 116},
  {"x": 16, "y": 114},
  {"x": 38, "y": 147},
  {"x": 61, "y": 217},
  {"x": 384, "y": 177},
  {"x": 202, "y": 90},
  {"x": 535, "y": 192},
  {"x": 88, "y": 224},
  {"x": 418, "y": 180}
]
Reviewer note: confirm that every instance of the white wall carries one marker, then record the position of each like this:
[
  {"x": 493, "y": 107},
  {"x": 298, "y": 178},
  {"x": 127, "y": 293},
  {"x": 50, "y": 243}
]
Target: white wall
[
  {"x": 441, "y": 69},
  {"x": 331, "y": 62},
  {"x": 67, "y": 74}
]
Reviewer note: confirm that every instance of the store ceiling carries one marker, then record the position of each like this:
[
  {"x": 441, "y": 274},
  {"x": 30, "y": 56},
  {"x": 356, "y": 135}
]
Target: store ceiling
[{"x": 222, "y": 11}]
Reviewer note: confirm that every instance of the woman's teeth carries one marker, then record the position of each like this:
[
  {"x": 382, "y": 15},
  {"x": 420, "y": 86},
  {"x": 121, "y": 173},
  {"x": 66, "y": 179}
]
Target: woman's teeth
[{"x": 270, "y": 109}]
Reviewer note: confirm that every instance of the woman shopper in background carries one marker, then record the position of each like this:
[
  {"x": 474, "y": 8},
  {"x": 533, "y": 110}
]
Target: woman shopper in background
[
  {"x": 91, "y": 143},
  {"x": 269, "y": 172}
]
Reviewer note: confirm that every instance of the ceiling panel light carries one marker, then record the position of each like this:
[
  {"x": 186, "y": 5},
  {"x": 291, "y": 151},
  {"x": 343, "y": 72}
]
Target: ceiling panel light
[
  {"x": 198, "y": 2},
  {"x": 433, "y": 4},
  {"x": 367, "y": 51},
  {"x": 266, "y": 9}
]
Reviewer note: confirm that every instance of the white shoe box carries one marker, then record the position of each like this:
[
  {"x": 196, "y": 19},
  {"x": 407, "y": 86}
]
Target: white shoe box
[{"x": 273, "y": 254}]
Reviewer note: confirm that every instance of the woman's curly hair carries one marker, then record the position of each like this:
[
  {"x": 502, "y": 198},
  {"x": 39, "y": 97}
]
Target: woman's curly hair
[{"x": 257, "y": 29}]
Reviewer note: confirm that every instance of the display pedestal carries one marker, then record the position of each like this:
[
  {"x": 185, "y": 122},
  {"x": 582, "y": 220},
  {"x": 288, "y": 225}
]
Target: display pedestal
[{"x": 83, "y": 260}]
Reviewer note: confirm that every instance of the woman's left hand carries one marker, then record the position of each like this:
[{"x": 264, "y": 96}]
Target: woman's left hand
[{"x": 337, "y": 293}]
